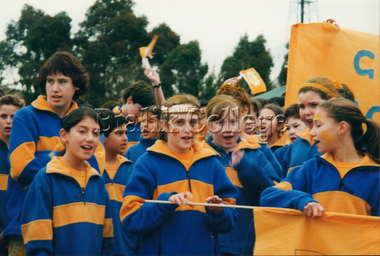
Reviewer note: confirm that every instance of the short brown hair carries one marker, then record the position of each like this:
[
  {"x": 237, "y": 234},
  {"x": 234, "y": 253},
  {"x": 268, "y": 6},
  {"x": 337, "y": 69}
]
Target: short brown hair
[
  {"x": 68, "y": 65},
  {"x": 12, "y": 99}
]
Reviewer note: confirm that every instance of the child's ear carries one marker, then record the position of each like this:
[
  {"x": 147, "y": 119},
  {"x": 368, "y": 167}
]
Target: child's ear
[
  {"x": 76, "y": 88},
  {"x": 130, "y": 100},
  {"x": 63, "y": 135},
  {"x": 343, "y": 127}
]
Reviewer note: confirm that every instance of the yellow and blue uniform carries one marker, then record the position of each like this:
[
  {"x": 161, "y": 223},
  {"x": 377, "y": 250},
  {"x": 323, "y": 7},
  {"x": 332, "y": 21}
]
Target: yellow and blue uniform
[
  {"x": 167, "y": 229},
  {"x": 251, "y": 176},
  {"x": 33, "y": 142},
  {"x": 267, "y": 152},
  {"x": 355, "y": 191},
  {"x": 137, "y": 150},
  {"x": 301, "y": 150},
  {"x": 4, "y": 173},
  {"x": 65, "y": 218},
  {"x": 124, "y": 242}
]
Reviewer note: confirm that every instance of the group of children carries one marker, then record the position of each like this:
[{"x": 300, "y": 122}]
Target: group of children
[{"x": 79, "y": 180}]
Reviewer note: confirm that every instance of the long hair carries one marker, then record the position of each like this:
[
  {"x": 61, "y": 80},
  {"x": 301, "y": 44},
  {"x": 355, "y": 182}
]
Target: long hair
[{"x": 345, "y": 110}]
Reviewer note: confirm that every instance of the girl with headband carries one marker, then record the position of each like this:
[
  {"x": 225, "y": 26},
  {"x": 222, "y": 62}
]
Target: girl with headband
[{"x": 346, "y": 178}]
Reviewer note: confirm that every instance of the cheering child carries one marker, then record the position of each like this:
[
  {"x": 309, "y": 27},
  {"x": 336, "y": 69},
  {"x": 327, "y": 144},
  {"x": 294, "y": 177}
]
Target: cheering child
[
  {"x": 271, "y": 126},
  {"x": 313, "y": 92},
  {"x": 246, "y": 166},
  {"x": 178, "y": 169},
  {"x": 67, "y": 209},
  {"x": 346, "y": 178}
]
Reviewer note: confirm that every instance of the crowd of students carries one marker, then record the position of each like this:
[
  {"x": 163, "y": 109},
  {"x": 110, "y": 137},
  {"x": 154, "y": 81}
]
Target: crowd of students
[{"x": 77, "y": 180}]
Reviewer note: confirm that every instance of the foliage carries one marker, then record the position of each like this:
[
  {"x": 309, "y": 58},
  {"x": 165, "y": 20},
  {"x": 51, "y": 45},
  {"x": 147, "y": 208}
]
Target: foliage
[
  {"x": 284, "y": 69},
  {"x": 30, "y": 42},
  {"x": 184, "y": 70},
  {"x": 246, "y": 55},
  {"x": 108, "y": 44}
]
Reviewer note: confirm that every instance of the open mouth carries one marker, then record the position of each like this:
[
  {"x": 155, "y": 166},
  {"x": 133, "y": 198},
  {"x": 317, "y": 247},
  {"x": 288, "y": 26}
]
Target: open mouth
[
  {"x": 263, "y": 129},
  {"x": 310, "y": 123},
  {"x": 293, "y": 138},
  {"x": 187, "y": 138},
  {"x": 228, "y": 138},
  {"x": 87, "y": 148}
]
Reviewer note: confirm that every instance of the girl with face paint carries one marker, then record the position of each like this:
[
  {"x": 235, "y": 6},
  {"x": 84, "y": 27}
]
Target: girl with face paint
[{"x": 345, "y": 178}]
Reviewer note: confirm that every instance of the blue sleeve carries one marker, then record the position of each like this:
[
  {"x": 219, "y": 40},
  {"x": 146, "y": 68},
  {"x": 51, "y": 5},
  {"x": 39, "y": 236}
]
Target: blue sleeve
[
  {"x": 36, "y": 218},
  {"x": 138, "y": 217},
  {"x": 256, "y": 172},
  {"x": 271, "y": 158},
  {"x": 22, "y": 142},
  {"x": 280, "y": 156},
  {"x": 224, "y": 221},
  {"x": 291, "y": 192}
]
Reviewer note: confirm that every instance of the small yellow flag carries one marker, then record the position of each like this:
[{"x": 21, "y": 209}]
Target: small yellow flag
[
  {"x": 253, "y": 79},
  {"x": 146, "y": 51}
]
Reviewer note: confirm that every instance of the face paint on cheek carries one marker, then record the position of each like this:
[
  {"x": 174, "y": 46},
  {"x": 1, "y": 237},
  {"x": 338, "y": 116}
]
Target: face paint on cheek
[
  {"x": 326, "y": 136},
  {"x": 318, "y": 116}
]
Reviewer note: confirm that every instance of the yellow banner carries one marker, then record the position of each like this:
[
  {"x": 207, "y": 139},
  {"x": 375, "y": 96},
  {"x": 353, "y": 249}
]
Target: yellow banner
[
  {"x": 288, "y": 232},
  {"x": 254, "y": 81},
  {"x": 322, "y": 49}
]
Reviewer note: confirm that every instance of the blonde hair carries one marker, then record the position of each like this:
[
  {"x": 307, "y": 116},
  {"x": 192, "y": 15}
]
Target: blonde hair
[{"x": 238, "y": 93}]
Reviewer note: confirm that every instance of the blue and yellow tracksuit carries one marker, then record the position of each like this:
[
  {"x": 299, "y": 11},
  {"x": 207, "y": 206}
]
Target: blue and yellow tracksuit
[
  {"x": 63, "y": 218},
  {"x": 318, "y": 180},
  {"x": 124, "y": 243},
  {"x": 301, "y": 150},
  {"x": 251, "y": 176},
  {"x": 4, "y": 173},
  {"x": 267, "y": 152},
  {"x": 140, "y": 148},
  {"x": 168, "y": 229},
  {"x": 133, "y": 127},
  {"x": 33, "y": 142}
]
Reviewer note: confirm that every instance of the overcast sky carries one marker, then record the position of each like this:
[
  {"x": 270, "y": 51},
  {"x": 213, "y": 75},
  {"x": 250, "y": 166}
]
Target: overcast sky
[{"x": 219, "y": 24}]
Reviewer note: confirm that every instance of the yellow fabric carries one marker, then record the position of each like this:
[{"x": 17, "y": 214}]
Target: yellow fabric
[
  {"x": 233, "y": 175},
  {"x": 343, "y": 168},
  {"x": 254, "y": 81},
  {"x": 365, "y": 161},
  {"x": 42, "y": 104},
  {"x": 289, "y": 232},
  {"x": 321, "y": 88},
  {"x": 201, "y": 149},
  {"x": 57, "y": 165},
  {"x": 343, "y": 202},
  {"x": 4, "y": 181},
  {"x": 115, "y": 191},
  {"x": 146, "y": 51},
  {"x": 37, "y": 230},
  {"x": 111, "y": 170},
  {"x": 67, "y": 214},
  {"x": 108, "y": 228},
  {"x": 185, "y": 158},
  {"x": 305, "y": 134},
  {"x": 322, "y": 49}
]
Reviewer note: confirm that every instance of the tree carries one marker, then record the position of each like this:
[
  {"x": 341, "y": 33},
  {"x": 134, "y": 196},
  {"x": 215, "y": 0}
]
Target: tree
[
  {"x": 246, "y": 55},
  {"x": 184, "y": 70},
  {"x": 30, "y": 42},
  {"x": 284, "y": 69},
  {"x": 210, "y": 87},
  {"x": 108, "y": 43}
]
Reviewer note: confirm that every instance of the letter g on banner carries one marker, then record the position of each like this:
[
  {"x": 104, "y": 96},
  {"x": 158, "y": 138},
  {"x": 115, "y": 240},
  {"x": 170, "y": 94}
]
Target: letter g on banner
[{"x": 358, "y": 69}]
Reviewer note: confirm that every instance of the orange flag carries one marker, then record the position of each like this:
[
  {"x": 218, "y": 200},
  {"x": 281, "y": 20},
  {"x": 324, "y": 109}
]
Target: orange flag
[
  {"x": 254, "y": 81},
  {"x": 322, "y": 49},
  {"x": 288, "y": 232}
]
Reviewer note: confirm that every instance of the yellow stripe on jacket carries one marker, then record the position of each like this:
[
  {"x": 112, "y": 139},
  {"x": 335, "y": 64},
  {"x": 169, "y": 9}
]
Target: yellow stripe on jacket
[
  {"x": 37, "y": 230},
  {"x": 78, "y": 212}
]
